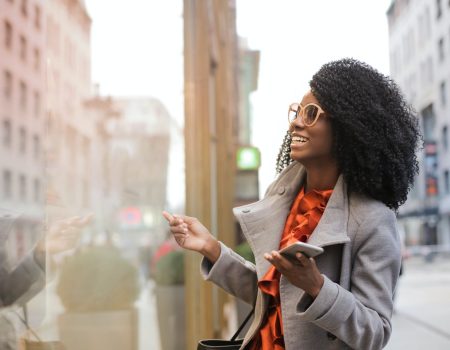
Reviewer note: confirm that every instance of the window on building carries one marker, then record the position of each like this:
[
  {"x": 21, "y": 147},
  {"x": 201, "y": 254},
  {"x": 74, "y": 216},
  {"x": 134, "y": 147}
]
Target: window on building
[
  {"x": 430, "y": 75},
  {"x": 23, "y": 48},
  {"x": 447, "y": 181},
  {"x": 37, "y": 190},
  {"x": 36, "y": 146},
  {"x": 22, "y": 187},
  {"x": 427, "y": 23},
  {"x": 412, "y": 42},
  {"x": 8, "y": 39},
  {"x": 438, "y": 9},
  {"x": 24, "y": 7},
  {"x": 37, "y": 17},
  {"x": 8, "y": 84},
  {"x": 22, "y": 140},
  {"x": 7, "y": 133},
  {"x": 428, "y": 123},
  {"x": 37, "y": 59},
  {"x": 445, "y": 137},
  {"x": 37, "y": 104},
  {"x": 441, "y": 50},
  {"x": 421, "y": 31},
  {"x": 443, "y": 90},
  {"x": 7, "y": 184},
  {"x": 23, "y": 95}
]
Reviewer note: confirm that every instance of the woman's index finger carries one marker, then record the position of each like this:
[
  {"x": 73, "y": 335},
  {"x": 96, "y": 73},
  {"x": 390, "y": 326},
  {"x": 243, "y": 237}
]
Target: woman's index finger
[{"x": 167, "y": 216}]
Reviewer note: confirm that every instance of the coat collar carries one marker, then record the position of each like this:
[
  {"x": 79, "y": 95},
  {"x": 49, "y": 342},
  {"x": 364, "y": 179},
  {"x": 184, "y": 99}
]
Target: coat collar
[{"x": 263, "y": 222}]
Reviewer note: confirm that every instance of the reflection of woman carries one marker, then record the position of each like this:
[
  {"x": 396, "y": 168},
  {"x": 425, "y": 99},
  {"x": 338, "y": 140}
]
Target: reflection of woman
[
  {"x": 346, "y": 163},
  {"x": 19, "y": 284}
]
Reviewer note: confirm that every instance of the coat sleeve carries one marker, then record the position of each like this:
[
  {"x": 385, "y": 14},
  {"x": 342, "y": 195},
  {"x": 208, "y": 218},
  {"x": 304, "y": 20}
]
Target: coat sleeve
[
  {"x": 360, "y": 317},
  {"x": 232, "y": 273},
  {"x": 22, "y": 283}
]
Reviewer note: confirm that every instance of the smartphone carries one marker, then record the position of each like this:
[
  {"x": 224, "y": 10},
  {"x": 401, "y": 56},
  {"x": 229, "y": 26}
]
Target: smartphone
[{"x": 307, "y": 249}]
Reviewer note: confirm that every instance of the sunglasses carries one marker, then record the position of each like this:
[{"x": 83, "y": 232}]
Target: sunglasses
[{"x": 309, "y": 114}]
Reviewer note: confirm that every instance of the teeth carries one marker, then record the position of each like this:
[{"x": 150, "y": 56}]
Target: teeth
[{"x": 299, "y": 139}]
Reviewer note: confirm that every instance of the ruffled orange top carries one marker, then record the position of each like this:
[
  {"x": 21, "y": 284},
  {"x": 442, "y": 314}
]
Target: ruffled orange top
[{"x": 303, "y": 218}]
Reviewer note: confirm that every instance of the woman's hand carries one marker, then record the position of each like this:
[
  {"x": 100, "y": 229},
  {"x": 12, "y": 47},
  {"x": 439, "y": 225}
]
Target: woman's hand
[
  {"x": 63, "y": 235},
  {"x": 302, "y": 273},
  {"x": 191, "y": 234}
]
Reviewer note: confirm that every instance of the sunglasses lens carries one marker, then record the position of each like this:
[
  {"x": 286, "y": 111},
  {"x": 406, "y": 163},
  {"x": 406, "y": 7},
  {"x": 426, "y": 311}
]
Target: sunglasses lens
[
  {"x": 311, "y": 113},
  {"x": 293, "y": 112}
]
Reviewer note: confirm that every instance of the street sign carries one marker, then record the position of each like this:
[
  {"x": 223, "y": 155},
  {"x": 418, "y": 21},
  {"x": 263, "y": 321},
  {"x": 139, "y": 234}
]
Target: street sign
[{"x": 248, "y": 158}]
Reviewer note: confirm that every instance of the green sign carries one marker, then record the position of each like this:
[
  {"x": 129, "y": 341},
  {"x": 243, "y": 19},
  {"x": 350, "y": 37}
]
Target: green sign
[{"x": 248, "y": 158}]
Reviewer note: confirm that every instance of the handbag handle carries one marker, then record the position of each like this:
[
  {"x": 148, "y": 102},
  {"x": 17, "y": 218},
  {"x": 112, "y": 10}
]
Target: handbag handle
[{"x": 233, "y": 338}]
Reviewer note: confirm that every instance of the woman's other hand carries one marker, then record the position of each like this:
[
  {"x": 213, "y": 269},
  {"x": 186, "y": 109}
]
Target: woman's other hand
[
  {"x": 190, "y": 234},
  {"x": 302, "y": 273},
  {"x": 63, "y": 235}
]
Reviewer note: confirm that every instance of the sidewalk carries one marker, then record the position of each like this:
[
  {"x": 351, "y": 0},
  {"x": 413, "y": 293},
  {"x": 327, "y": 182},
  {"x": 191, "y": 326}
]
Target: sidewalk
[{"x": 422, "y": 309}]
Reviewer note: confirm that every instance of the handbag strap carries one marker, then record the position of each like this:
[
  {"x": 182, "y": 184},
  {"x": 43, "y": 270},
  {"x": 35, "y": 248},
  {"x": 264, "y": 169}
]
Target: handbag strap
[
  {"x": 24, "y": 320},
  {"x": 233, "y": 338}
]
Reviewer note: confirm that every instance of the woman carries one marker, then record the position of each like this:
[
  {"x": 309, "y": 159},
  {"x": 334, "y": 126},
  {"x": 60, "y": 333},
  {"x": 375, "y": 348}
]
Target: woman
[{"x": 346, "y": 164}]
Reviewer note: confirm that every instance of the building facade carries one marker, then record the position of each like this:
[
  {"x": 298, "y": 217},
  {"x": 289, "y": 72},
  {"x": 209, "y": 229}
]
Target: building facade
[
  {"x": 70, "y": 131},
  {"x": 22, "y": 73},
  {"x": 419, "y": 39}
]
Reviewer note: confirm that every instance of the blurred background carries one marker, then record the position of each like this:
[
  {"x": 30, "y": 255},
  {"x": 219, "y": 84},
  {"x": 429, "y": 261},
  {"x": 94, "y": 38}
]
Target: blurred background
[{"x": 127, "y": 108}]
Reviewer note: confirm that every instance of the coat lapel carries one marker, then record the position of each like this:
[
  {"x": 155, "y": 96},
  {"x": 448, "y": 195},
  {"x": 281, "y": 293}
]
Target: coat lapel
[
  {"x": 332, "y": 226},
  {"x": 263, "y": 222}
]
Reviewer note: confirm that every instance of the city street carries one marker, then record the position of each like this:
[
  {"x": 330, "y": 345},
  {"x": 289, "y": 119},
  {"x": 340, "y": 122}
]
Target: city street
[
  {"x": 421, "y": 319},
  {"x": 422, "y": 309}
]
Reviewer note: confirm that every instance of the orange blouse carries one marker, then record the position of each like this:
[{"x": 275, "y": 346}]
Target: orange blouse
[{"x": 303, "y": 218}]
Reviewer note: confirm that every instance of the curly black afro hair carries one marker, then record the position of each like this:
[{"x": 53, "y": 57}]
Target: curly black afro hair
[{"x": 375, "y": 131}]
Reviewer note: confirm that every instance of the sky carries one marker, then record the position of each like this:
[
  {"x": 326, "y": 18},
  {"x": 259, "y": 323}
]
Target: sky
[{"x": 137, "y": 49}]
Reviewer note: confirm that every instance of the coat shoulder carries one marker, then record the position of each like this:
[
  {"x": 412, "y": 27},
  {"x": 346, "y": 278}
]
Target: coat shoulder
[{"x": 366, "y": 209}]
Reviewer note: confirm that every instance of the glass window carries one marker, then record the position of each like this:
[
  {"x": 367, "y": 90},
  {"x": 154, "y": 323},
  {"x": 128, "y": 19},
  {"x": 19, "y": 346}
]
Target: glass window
[
  {"x": 36, "y": 146},
  {"x": 24, "y": 7},
  {"x": 430, "y": 75},
  {"x": 441, "y": 49},
  {"x": 438, "y": 9},
  {"x": 37, "y": 16},
  {"x": 23, "y": 48},
  {"x": 8, "y": 35},
  {"x": 443, "y": 90},
  {"x": 8, "y": 85},
  {"x": 37, "y": 104},
  {"x": 445, "y": 137},
  {"x": 37, "y": 190},
  {"x": 427, "y": 23},
  {"x": 447, "y": 181},
  {"x": 7, "y": 133},
  {"x": 22, "y": 187},
  {"x": 23, "y": 95},
  {"x": 22, "y": 140},
  {"x": 37, "y": 59},
  {"x": 7, "y": 184},
  {"x": 428, "y": 123}
]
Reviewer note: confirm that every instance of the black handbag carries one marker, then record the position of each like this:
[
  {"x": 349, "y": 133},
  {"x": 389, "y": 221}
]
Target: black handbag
[{"x": 232, "y": 344}]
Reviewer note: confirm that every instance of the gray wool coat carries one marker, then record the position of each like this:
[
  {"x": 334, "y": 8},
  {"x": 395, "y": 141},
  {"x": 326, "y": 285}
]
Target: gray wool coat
[{"x": 360, "y": 265}]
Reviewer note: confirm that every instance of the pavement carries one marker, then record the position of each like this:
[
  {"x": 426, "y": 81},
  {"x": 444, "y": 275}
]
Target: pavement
[
  {"x": 421, "y": 319},
  {"x": 422, "y": 306}
]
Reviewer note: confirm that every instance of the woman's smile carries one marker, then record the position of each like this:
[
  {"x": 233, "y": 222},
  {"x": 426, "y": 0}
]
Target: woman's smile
[{"x": 298, "y": 141}]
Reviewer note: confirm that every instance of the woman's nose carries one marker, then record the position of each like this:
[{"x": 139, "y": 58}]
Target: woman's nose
[{"x": 297, "y": 123}]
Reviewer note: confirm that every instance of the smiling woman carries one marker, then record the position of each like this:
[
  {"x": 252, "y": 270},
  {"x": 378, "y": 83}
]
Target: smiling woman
[{"x": 341, "y": 176}]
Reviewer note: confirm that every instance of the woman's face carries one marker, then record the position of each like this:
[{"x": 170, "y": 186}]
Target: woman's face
[{"x": 319, "y": 140}]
